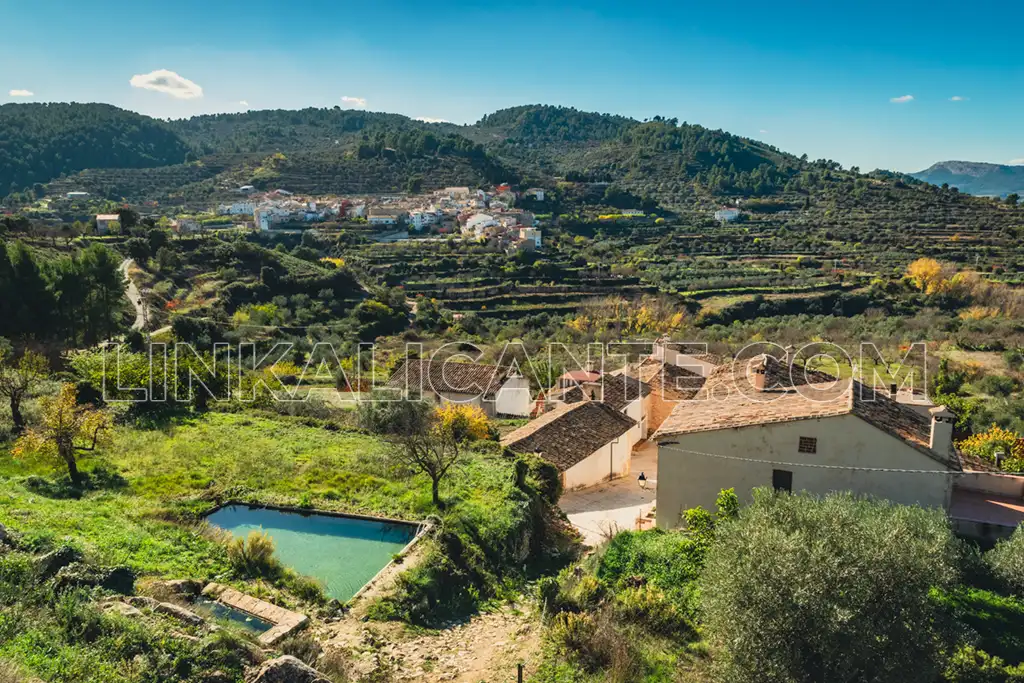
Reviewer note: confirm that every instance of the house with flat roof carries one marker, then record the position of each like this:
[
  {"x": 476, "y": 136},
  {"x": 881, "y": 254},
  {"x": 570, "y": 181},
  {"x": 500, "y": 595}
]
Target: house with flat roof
[
  {"x": 587, "y": 441},
  {"x": 104, "y": 221},
  {"x": 755, "y": 423}
]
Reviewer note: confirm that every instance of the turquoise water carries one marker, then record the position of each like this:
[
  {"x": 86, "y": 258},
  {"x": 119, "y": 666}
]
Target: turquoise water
[
  {"x": 222, "y": 611},
  {"x": 343, "y": 553}
]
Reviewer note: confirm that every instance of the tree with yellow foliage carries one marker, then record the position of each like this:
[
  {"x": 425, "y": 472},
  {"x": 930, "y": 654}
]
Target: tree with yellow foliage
[
  {"x": 927, "y": 276},
  {"x": 67, "y": 428},
  {"x": 996, "y": 439}
]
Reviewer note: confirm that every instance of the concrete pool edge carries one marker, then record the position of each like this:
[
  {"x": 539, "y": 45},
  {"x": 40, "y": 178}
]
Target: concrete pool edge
[
  {"x": 422, "y": 529},
  {"x": 310, "y": 511},
  {"x": 421, "y": 532},
  {"x": 284, "y": 621}
]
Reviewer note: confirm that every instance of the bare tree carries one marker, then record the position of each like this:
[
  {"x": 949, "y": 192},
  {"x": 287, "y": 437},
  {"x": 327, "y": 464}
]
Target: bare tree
[{"x": 424, "y": 438}]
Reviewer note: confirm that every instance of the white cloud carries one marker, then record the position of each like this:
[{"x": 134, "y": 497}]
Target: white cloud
[
  {"x": 243, "y": 103},
  {"x": 902, "y": 99},
  {"x": 1015, "y": 162},
  {"x": 21, "y": 93},
  {"x": 359, "y": 102},
  {"x": 957, "y": 98},
  {"x": 168, "y": 83},
  {"x": 763, "y": 131},
  {"x": 431, "y": 119}
]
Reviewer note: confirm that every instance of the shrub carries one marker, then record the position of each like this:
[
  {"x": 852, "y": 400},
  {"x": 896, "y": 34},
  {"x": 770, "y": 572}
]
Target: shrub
[
  {"x": 253, "y": 556},
  {"x": 549, "y": 591},
  {"x": 594, "y": 643},
  {"x": 772, "y": 600},
  {"x": 573, "y": 633},
  {"x": 302, "y": 647},
  {"x": 668, "y": 560},
  {"x": 78, "y": 618},
  {"x": 588, "y": 592},
  {"x": 305, "y": 588},
  {"x": 970, "y": 665},
  {"x": 1007, "y": 561},
  {"x": 998, "y": 385},
  {"x": 648, "y": 607},
  {"x": 986, "y": 444}
]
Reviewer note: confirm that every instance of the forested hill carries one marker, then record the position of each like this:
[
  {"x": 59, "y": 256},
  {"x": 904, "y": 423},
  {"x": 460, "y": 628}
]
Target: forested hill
[
  {"x": 39, "y": 142},
  {"x": 976, "y": 178},
  {"x": 276, "y": 130},
  {"x": 676, "y": 165},
  {"x": 537, "y": 123}
]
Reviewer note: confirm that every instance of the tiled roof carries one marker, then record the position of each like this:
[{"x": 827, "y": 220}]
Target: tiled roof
[
  {"x": 618, "y": 391},
  {"x": 448, "y": 377},
  {"x": 729, "y": 400},
  {"x": 570, "y": 433},
  {"x": 667, "y": 380},
  {"x": 581, "y": 375}
]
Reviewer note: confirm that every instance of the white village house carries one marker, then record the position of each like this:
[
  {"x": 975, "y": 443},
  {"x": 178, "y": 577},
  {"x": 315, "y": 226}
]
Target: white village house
[
  {"x": 496, "y": 390},
  {"x": 587, "y": 441},
  {"x": 622, "y": 393},
  {"x": 754, "y": 425}
]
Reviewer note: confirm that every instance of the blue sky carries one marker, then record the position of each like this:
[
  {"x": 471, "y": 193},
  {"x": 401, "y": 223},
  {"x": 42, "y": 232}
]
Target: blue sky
[{"x": 808, "y": 77}]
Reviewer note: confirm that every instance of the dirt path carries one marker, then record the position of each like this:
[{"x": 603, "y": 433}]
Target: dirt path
[
  {"x": 486, "y": 648},
  {"x": 132, "y": 292}
]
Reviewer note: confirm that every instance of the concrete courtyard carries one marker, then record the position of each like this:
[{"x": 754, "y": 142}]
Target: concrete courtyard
[{"x": 614, "y": 505}]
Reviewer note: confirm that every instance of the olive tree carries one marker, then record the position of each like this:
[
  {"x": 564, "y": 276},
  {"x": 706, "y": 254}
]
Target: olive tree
[
  {"x": 1007, "y": 561},
  {"x": 424, "y": 438},
  {"x": 798, "y": 588}
]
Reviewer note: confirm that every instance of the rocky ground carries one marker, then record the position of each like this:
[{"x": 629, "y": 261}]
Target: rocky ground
[{"x": 488, "y": 647}]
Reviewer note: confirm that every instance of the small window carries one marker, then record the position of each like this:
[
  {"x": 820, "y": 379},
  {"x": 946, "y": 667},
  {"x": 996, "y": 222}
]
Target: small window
[
  {"x": 808, "y": 444},
  {"x": 782, "y": 480}
]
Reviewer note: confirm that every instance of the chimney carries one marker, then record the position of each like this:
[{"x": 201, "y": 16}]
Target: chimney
[
  {"x": 759, "y": 369},
  {"x": 942, "y": 430},
  {"x": 893, "y": 390}
]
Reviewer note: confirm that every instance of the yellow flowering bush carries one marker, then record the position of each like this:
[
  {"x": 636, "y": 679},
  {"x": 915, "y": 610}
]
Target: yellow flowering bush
[{"x": 986, "y": 444}]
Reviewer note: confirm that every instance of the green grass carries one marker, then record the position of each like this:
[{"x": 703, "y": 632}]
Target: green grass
[
  {"x": 148, "y": 483},
  {"x": 219, "y": 456},
  {"x": 997, "y": 620}
]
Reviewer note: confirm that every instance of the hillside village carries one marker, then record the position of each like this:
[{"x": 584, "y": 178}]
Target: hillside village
[
  {"x": 479, "y": 214},
  {"x": 335, "y": 395},
  {"x": 713, "y": 423}
]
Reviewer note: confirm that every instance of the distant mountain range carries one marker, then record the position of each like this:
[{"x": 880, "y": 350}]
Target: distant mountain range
[{"x": 976, "y": 178}]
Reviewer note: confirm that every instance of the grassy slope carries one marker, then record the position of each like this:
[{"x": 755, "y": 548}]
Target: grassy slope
[{"x": 235, "y": 456}]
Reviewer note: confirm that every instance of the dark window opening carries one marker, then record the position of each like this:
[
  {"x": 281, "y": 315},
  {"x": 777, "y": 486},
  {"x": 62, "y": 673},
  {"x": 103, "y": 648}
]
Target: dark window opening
[
  {"x": 782, "y": 480},
  {"x": 808, "y": 444}
]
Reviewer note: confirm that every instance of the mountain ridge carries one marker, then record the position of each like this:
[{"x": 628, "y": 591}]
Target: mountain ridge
[
  {"x": 331, "y": 150},
  {"x": 975, "y": 177}
]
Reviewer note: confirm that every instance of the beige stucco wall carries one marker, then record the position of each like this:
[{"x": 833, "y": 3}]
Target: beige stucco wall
[
  {"x": 686, "y": 480},
  {"x": 1009, "y": 485},
  {"x": 608, "y": 462},
  {"x": 637, "y": 432}
]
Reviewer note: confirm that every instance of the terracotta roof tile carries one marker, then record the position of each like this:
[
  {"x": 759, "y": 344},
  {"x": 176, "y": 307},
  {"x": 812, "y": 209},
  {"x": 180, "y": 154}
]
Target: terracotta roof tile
[
  {"x": 728, "y": 400},
  {"x": 570, "y": 433},
  {"x": 667, "y": 380},
  {"x": 448, "y": 377},
  {"x": 618, "y": 391}
]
